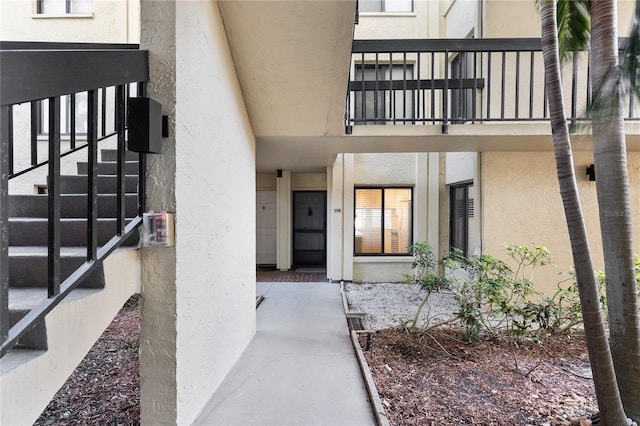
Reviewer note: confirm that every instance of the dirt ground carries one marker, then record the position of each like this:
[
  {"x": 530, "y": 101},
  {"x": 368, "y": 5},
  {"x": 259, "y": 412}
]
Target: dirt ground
[
  {"x": 441, "y": 380},
  {"x": 430, "y": 380},
  {"x": 105, "y": 388}
]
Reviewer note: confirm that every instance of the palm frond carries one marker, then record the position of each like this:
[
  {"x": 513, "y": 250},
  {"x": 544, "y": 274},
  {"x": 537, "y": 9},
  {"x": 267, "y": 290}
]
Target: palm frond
[{"x": 574, "y": 26}]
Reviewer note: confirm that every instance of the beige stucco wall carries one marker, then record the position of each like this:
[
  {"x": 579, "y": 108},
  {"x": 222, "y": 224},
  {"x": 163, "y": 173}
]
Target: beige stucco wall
[
  {"x": 522, "y": 205},
  {"x": 520, "y": 18},
  {"x": 266, "y": 181},
  {"x": 309, "y": 181},
  {"x": 112, "y": 21},
  {"x": 198, "y": 311}
]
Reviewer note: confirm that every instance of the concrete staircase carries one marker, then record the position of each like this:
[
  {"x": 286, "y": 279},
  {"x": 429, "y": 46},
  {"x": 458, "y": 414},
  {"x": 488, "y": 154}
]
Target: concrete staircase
[{"x": 28, "y": 275}]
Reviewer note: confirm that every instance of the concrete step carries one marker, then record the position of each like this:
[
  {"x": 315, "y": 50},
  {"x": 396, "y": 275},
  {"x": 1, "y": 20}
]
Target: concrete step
[
  {"x": 71, "y": 205},
  {"x": 28, "y": 268},
  {"x": 21, "y": 301},
  {"x": 110, "y": 168},
  {"x": 34, "y": 232},
  {"x": 112, "y": 155},
  {"x": 73, "y": 184}
]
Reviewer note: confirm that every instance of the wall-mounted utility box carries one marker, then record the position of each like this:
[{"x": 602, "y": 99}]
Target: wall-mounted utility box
[
  {"x": 158, "y": 229},
  {"x": 144, "y": 119}
]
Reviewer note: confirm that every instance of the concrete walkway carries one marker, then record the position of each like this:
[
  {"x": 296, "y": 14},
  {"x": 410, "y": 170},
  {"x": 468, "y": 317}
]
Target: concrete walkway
[{"x": 299, "y": 369}]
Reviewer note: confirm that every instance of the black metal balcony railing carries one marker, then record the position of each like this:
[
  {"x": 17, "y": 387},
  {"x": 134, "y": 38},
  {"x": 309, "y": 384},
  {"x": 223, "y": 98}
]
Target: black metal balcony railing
[
  {"x": 50, "y": 77},
  {"x": 456, "y": 81}
]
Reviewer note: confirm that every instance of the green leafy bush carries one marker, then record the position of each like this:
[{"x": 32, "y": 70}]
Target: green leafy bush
[{"x": 495, "y": 298}]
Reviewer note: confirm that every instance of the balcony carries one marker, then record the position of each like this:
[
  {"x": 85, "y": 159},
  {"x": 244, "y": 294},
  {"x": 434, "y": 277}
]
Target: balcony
[{"x": 451, "y": 86}]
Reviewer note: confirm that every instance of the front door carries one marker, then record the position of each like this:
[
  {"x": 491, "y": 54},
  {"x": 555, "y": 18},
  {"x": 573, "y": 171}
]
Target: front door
[
  {"x": 266, "y": 227},
  {"x": 309, "y": 228}
]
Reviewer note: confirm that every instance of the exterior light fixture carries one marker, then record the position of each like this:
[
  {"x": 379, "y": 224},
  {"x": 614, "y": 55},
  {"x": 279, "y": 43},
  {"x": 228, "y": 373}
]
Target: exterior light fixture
[{"x": 591, "y": 171}]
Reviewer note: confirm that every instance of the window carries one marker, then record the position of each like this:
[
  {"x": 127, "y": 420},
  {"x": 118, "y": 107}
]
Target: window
[
  {"x": 64, "y": 7},
  {"x": 385, "y": 6},
  {"x": 461, "y": 99},
  {"x": 384, "y": 101},
  {"x": 80, "y": 112},
  {"x": 383, "y": 221},
  {"x": 462, "y": 222}
]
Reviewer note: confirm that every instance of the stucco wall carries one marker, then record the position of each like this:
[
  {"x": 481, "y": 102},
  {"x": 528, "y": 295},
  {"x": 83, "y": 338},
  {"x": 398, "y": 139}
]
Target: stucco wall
[
  {"x": 522, "y": 205},
  {"x": 309, "y": 181},
  {"x": 461, "y": 166},
  {"x": 266, "y": 180},
  {"x": 386, "y": 26},
  {"x": 112, "y": 21},
  {"x": 385, "y": 169},
  {"x": 520, "y": 18},
  {"x": 198, "y": 311},
  {"x": 461, "y": 18},
  {"x": 216, "y": 229}
]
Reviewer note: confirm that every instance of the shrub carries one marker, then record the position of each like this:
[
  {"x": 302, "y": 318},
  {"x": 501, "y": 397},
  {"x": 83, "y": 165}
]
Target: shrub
[{"x": 495, "y": 298}]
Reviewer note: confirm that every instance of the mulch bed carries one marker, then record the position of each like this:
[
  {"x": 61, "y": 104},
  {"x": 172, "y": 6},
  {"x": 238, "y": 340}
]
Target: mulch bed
[
  {"x": 440, "y": 379},
  {"x": 436, "y": 379},
  {"x": 105, "y": 388}
]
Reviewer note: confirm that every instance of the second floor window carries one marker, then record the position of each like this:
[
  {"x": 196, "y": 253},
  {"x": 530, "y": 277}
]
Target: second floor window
[
  {"x": 383, "y": 221},
  {"x": 385, "y": 5},
  {"x": 461, "y": 100},
  {"x": 384, "y": 98},
  {"x": 64, "y": 7}
]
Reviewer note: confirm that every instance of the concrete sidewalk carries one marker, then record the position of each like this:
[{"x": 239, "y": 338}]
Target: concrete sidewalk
[{"x": 299, "y": 369}]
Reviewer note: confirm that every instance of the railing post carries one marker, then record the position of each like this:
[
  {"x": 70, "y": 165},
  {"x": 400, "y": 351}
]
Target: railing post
[
  {"x": 92, "y": 175},
  {"x": 445, "y": 95},
  {"x": 54, "y": 197},
  {"x": 35, "y": 117},
  {"x": 120, "y": 129},
  {"x": 142, "y": 165},
  {"x": 5, "y": 142}
]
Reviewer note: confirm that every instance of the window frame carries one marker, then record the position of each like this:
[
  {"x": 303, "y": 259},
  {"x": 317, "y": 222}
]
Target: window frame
[
  {"x": 464, "y": 186},
  {"x": 68, "y": 9},
  {"x": 383, "y": 9},
  {"x": 382, "y": 188},
  {"x": 66, "y": 112}
]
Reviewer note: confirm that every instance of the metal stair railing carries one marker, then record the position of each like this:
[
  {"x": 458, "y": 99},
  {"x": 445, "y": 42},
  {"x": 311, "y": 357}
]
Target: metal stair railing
[{"x": 44, "y": 73}]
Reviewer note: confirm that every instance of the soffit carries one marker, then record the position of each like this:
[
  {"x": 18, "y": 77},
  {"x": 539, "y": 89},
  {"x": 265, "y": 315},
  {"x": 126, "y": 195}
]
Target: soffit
[{"x": 292, "y": 59}]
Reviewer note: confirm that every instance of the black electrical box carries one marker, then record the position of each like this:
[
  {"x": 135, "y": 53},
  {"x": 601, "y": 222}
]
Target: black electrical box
[{"x": 144, "y": 119}]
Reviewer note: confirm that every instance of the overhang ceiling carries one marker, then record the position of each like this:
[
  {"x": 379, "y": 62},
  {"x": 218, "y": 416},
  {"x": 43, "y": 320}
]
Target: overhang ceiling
[{"x": 292, "y": 58}]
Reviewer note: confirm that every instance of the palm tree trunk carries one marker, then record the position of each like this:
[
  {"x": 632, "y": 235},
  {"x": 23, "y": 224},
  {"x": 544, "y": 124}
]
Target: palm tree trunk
[
  {"x": 612, "y": 183},
  {"x": 606, "y": 387}
]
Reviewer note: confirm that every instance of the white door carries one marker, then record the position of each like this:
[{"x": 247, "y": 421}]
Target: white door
[{"x": 266, "y": 220}]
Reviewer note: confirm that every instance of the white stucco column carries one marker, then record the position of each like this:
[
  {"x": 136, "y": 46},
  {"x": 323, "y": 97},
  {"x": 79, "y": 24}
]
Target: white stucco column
[
  {"x": 198, "y": 298},
  {"x": 433, "y": 200},
  {"x": 420, "y": 197},
  {"x": 283, "y": 211},
  {"x": 158, "y": 401},
  {"x": 334, "y": 222},
  {"x": 348, "y": 205}
]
